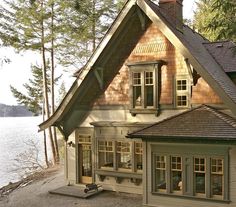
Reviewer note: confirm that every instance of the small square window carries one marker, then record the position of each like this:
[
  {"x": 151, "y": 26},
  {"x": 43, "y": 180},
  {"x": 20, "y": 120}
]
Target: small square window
[
  {"x": 181, "y": 85},
  {"x": 182, "y": 100}
]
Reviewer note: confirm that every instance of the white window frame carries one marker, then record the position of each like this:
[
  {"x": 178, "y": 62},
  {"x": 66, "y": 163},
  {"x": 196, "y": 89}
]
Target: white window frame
[{"x": 180, "y": 93}]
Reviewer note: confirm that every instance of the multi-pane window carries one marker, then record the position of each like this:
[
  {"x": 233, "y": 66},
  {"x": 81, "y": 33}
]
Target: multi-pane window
[
  {"x": 160, "y": 173},
  {"x": 138, "y": 155},
  {"x": 182, "y": 101},
  {"x": 105, "y": 150},
  {"x": 84, "y": 139},
  {"x": 181, "y": 85},
  {"x": 149, "y": 89},
  {"x": 124, "y": 156},
  {"x": 216, "y": 177},
  {"x": 143, "y": 89},
  {"x": 137, "y": 90},
  {"x": 182, "y": 90},
  {"x": 176, "y": 173},
  {"x": 200, "y": 175}
]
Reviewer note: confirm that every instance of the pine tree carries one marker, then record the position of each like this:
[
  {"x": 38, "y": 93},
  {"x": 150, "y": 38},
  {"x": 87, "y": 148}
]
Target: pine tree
[
  {"x": 216, "y": 19},
  {"x": 33, "y": 98}
]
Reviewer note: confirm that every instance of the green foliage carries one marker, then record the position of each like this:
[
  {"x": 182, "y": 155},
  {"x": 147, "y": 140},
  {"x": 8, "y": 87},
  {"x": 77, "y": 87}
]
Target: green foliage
[
  {"x": 216, "y": 19},
  {"x": 78, "y": 26},
  {"x": 62, "y": 93},
  {"x": 33, "y": 101}
]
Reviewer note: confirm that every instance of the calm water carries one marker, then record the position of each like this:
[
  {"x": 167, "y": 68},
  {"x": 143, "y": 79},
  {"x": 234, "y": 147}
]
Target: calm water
[{"x": 14, "y": 132}]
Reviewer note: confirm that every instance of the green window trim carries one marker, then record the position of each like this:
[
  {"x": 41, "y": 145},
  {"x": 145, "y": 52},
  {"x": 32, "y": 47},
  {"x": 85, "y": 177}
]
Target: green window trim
[
  {"x": 196, "y": 170},
  {"x": 119, "y": 155},
  {"x": 144, "y": 86}
]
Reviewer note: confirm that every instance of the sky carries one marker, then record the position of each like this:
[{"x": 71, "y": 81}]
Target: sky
[{"x": 18, "y": 71}]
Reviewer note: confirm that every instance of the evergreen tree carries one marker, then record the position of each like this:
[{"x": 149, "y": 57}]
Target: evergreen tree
[
  {"x": 33, "y": 98},
  {"x": 216, "y": 19}
]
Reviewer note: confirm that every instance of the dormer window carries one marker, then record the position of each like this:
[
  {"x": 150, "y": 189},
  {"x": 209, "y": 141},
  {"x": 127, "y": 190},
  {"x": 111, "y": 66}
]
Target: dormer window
[{"x": 144, "y": 86}]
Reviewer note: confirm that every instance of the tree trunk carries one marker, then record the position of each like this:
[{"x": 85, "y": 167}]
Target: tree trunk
[
  {"x": 52, "y": 81},
  {"x": 45, "y": 141},
  {"x": 94, "y": 25},
  {"x": 45, "y": 85}
]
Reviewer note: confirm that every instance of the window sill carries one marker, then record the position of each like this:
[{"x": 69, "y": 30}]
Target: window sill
[
  {"x": 192, "y": 197},
  {"x": 135, "y": 178},
  {"x": 144, "y": 111}
]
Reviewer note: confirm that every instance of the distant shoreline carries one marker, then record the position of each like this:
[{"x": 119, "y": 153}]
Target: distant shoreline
[{"x": 14, "y": 111}]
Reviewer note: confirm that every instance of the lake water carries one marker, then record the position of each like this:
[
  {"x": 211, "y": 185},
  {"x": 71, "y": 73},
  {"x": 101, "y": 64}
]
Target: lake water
[{"x": 14, "y": 133}]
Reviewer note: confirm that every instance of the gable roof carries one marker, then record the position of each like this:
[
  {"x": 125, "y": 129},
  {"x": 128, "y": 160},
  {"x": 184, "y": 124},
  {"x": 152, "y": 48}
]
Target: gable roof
[
  {"x": 120, "y": 37},
  {"x": 203, "y": 122}
]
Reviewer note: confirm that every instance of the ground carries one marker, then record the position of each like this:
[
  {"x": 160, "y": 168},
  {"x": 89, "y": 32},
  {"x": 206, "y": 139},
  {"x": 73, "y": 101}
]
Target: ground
[{"x": 36, "y": 195}]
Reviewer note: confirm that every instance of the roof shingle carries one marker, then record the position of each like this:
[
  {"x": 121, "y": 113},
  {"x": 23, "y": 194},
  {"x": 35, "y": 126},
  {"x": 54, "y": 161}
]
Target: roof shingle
[
  {"x": 201, "y": 122},
  {"x": 223, "y": 53}
]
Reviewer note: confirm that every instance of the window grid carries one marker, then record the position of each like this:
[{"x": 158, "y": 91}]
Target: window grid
[
  {"x": 83, "y": 139},
  {"x": 136, "y": 79},
  {"x": 208, "y": 176},
  {"x": 182, "y": 100},
  {"x": 199, "y": 165},
  {"x": 176, "y": 163},
  {"x": 181, "y": 85},
  {"x": 123, "y": 147},
  {"x": 148, "y": 78},
  {"x": 138, "y": 148},
  {"x": 217, "y": 166},
  {"x": 105, "y": 146},
  {"x": 160, "y": 162},
  {"x": 143, "y": 90}
]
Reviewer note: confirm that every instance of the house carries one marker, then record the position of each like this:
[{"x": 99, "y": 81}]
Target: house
[{"x": 153, "y": 112}]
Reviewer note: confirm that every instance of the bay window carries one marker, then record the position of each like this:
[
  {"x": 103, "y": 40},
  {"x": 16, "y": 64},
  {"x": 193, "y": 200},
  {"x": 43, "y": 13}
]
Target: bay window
[
  {"x": 144, "y": 85},
  {"x": 143, "y": 88}
]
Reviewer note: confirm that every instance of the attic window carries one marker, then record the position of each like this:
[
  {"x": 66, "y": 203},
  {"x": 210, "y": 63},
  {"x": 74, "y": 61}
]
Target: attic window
[
  {"x": 182, "y": 91},
  {"x": 144, "y": 86}
]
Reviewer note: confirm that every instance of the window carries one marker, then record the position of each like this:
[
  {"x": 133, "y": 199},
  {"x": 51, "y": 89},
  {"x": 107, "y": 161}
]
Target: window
[
  {"x": 105, "y": 149},
  {"x": 182, "y": 92},
  {"x": 160, "y": 173},
  {"x": 200, "y": 175},
  {"x": 216, "y": 177},
  {"x": 149, "y": 89},
  {"x": 124, "y": 155},
  {"x": 143, "y": 89},
  {"x": 172, "y": 174},
  {"x": 120, "y": 155},
  {"x": 138, "y": 155},
  {"x": 144, "y": 86},
  {"x": 176, "y": 173},
  {"x": 137, "y": 87}
]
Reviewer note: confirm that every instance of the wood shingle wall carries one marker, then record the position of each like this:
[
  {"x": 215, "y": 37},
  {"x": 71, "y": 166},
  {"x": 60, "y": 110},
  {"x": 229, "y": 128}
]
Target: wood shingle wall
[{"x": 153, "y": 45}]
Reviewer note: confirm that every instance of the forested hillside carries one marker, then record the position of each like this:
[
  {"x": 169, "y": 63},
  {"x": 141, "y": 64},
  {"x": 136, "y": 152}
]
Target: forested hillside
[{"x": 13, "y": 111}]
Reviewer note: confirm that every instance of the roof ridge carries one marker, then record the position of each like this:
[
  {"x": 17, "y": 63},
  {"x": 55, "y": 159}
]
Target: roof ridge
[{"x": 225, "y": 117}]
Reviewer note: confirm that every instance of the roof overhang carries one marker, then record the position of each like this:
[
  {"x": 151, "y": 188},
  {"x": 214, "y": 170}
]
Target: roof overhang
[{"x": 197, "y": 56}]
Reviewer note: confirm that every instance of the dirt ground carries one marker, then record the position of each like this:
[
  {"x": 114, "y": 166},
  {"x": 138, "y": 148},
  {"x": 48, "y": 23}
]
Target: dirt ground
[{"x": 36, "y": 195}]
